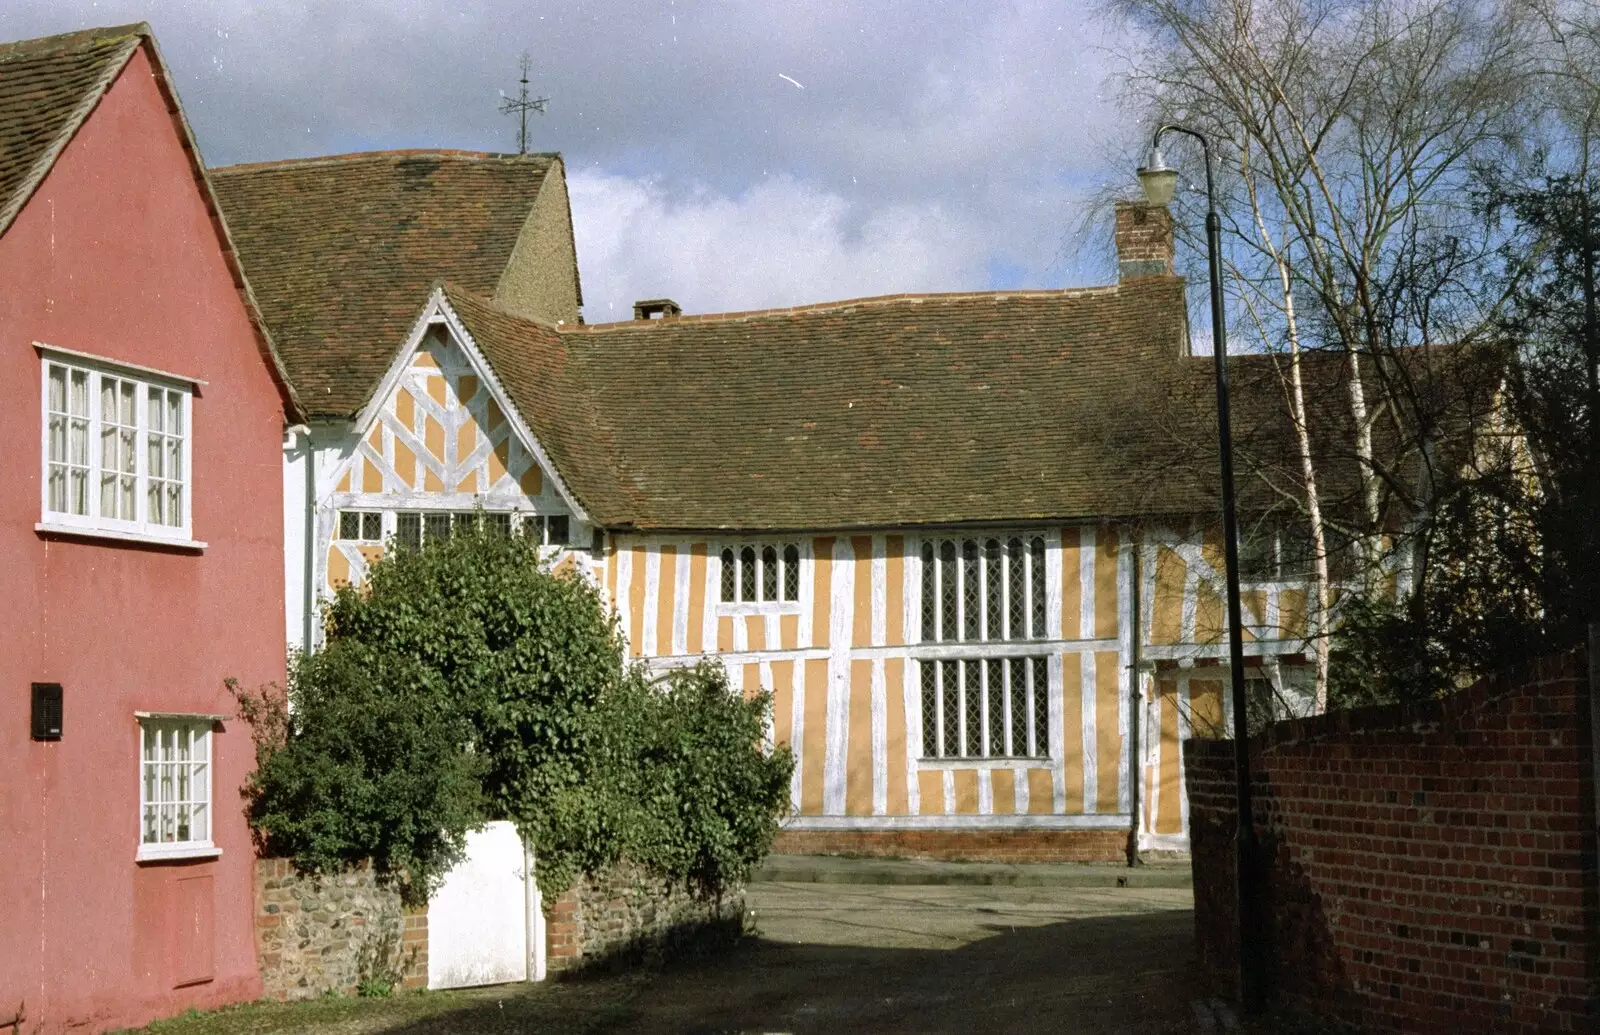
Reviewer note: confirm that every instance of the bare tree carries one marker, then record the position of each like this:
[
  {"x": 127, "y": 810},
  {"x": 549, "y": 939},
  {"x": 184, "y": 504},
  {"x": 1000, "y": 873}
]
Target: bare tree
[{"x": 1352, "y": 133}]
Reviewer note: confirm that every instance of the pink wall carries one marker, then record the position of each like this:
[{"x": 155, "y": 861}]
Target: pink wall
[{"x": 116, "y": 256}]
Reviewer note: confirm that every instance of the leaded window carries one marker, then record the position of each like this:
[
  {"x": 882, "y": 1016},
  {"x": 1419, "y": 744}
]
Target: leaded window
[
  {"x": 765, "y": 574},
  {"x": 976, "y": 708},
  {"x": 983, "y": 590}
]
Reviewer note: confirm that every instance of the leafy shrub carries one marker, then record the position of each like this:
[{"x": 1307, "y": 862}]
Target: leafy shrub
[{"x": 465, "y": 683}]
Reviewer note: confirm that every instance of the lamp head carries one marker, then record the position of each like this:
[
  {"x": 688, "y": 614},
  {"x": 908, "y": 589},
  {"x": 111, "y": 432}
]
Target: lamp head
[{"x": 1157, "y": 179}]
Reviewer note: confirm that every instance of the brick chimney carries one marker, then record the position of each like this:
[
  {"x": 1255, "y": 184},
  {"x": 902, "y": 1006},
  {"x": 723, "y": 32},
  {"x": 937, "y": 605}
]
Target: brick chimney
[
  {"x": 656, "y": 309},
  {"x": 1144, "y": 240}
]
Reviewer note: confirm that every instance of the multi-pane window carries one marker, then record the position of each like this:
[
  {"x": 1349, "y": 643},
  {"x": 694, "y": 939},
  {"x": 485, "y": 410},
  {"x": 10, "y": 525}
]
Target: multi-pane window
[
  {"x": 413, "y": 528},
  {"x": 362, "y": 526},
  {"x": 985, "y": 708},
  {"x": 116, "y": 451},
  {"x": 983, "y": 589},
  {"x": 174, "y": 784},
  {"x": 1285, "y": 551},
  {"x": 761, "y": 574}
]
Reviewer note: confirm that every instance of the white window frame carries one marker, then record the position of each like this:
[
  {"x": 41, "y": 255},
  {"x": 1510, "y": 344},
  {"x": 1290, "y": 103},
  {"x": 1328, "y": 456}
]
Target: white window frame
[
  {"x": 199, "y": 727},
  {"x": 1023, "y": 737},
  {"x": 1034, "y": 573},
  {"x": 140, "y": 528},
  {"x": 761, "y": 605}
]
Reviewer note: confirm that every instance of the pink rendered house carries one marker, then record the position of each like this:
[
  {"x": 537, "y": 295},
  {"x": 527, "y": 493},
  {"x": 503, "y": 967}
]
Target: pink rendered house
[{"x": 141, "y": 547}]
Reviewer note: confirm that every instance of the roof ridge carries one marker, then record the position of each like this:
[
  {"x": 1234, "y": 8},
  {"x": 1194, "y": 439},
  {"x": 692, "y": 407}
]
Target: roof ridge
[
  {"x": 846, "y": 303},
  {"x": 77, "y": 39},
  {"x": 355, "y": 157}
]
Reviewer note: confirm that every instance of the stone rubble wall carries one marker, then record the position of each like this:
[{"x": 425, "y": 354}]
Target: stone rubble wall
[
  {"x": 624, "y": 911},
  {"x": 319, "y": 935}
]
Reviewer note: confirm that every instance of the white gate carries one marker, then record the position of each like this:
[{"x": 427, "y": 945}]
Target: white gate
[{"x": 485, "y": 926}]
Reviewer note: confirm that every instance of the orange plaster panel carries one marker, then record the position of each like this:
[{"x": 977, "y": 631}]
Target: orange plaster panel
[
  {"x": 436, "y": 389},
  {"x": 788, "y": 631},
  {"x": 1105, "y": 583},
  {"x": 752, "y": 680},
  {"x": 1166, "y": 610},
  {"x": 344, "y": 480},
  {"x": 375, "y": 439},
  {"x": 858, "y": 751},
  {"x": 1003, "y": 790},
  {"x": 665, "y": 603},
  {"x": 862, "y": 617},
  {"x": 405, "y": 464},
  {"x": 466, "y": 388},
  {"x": 755, "y": 631},
  {"x": 724, "y": 633},
  {"x": 782, "y": 702},
  {"x": 466, "y": 441},
  {"x": 1292, "y": 613},
  {"x": 895, "y": 597},
  {"x": 636, "y": 604},
  {"x": 532, "y": 480},
  {"x": 1072, "y": 728},
  {"x": 431, "y": 482},
  {"x": 499, "y": 462},
  {"x": 1205, "y": 707},
  {"x": 371, "y": 554},
  {"x": 1254, "y": 602},
  {"x": 425, "y": 360},
  {"x": 433, "y": 438},
  {"x": 695, "y": 638},
  {"x": 338, "y": 568},
  {"x": 930, "y": 792},
  {"x": 405, "y": 409},
  {"x": 495, "y": 417},
  {"x": 1108, "y": 764},
  {"x": 1042, "y": 793},
  {"x": 895, "y": 734},
  {"x": 1169, "y": 811},
  {"x": 1071, "y": 584},
  {"x": 822, "y": 590},
  {"x": 371, "y": 477},
  {"x": 815, "y": 748},
  {"x": 966, "y": 791}
]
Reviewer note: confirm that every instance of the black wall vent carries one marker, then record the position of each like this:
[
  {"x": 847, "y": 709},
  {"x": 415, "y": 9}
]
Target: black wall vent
[{"x": 47, "y": 711}]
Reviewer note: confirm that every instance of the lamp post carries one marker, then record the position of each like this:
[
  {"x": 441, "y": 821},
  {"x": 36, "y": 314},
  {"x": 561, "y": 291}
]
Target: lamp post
[{"x": 1158, "y": 182}]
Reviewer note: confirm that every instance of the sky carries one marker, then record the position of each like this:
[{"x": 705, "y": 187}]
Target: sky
[{"x": 730, "y": 155}]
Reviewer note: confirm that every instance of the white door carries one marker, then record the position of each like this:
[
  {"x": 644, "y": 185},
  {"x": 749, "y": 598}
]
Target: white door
[{"x": 484, "y": 922}]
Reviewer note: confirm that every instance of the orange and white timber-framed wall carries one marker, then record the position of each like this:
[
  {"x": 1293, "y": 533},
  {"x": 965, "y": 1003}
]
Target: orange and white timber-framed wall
[{"x": 940, "y": 687}]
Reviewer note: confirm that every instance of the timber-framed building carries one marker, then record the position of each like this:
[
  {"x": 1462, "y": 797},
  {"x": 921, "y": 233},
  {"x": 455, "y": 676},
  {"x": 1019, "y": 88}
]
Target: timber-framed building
[{"x": 945, "y": 531}]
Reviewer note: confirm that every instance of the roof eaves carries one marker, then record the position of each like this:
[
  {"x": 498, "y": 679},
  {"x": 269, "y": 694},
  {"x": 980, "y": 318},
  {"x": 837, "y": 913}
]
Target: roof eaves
[
  {"x": 91, "y": 99},
  {"x": 268, "y": 348}
]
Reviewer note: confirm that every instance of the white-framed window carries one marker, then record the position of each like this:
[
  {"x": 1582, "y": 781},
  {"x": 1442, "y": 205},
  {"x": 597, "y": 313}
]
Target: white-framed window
[
  {"x": 985, "y": 707},
  {"x": 116, "y": 451},
  {"x": 175, "y": 814},
  {"x": 983, "y": 589},
  {"x": 761, "y": 573}
]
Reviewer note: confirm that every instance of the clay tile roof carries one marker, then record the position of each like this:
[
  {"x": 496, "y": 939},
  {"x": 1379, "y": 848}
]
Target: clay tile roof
[
  {"x": 339, "y": 249},
  {"x": 48, "y": 87},
  {"x": 934, "y": 409}
]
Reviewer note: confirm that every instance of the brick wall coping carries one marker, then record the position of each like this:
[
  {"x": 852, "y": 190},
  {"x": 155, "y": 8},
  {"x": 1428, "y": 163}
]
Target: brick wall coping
[{"x": 1409, "y": 717}]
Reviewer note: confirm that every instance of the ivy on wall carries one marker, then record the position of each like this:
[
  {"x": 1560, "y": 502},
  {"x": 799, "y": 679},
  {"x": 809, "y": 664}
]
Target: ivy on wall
[{"x": 464, "y": 683}]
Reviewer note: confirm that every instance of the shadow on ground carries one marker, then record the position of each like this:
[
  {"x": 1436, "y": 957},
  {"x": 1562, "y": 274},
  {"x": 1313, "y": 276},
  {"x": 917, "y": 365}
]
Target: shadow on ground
[{"x": 1129, "y": 973}]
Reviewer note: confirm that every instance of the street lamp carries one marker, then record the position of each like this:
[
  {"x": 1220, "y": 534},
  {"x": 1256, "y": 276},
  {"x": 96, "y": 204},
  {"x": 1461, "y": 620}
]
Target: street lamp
[{"x": 1158, "y": 182}]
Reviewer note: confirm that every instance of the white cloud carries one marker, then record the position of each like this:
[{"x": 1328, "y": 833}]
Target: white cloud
[{"x": 781, "y": 242}]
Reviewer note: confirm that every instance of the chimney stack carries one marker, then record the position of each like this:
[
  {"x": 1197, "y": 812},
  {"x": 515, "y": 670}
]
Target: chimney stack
[
  {"x": 1144, "y": 241},
  {"x": 653, "y": 308}
]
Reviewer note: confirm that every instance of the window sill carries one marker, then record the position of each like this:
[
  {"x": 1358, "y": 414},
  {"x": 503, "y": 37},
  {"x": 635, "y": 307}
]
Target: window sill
[
  {"x": 172, "y": 853},
  {"x": 985, "y": 763},
  {"x": 767, "y": 607},
  {"x": 50, "y": 528}
]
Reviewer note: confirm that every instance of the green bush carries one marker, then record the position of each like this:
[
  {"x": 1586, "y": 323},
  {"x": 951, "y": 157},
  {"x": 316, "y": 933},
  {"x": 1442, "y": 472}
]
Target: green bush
[{"x": 464, "y": 683}]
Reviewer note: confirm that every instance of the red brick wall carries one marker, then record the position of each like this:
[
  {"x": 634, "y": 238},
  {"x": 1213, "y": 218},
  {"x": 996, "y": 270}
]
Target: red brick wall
[
  {"x": 1144, "y": 240},
  {"x": 965, "y": 845},
  {"x": 1428, "y": 868}
]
